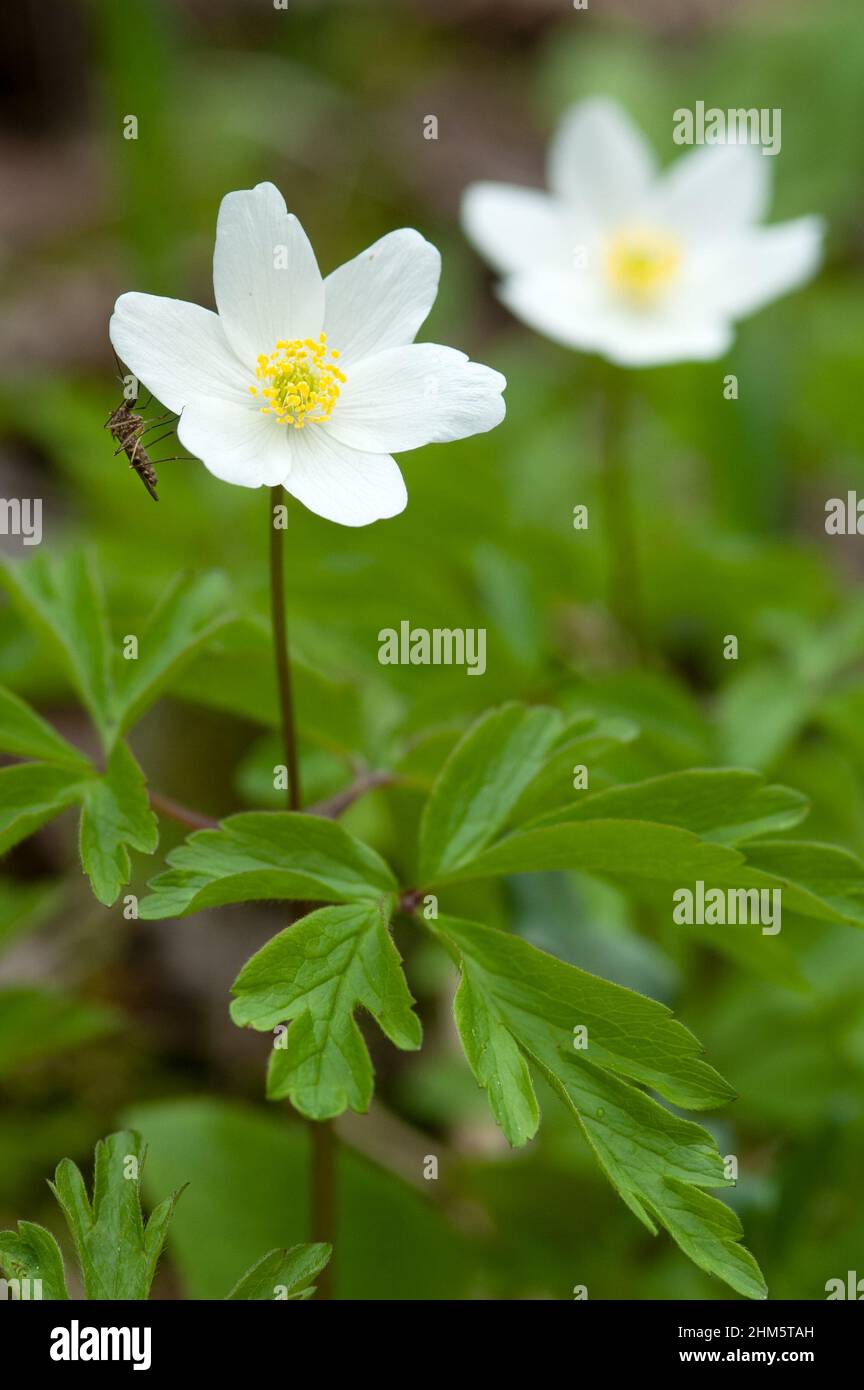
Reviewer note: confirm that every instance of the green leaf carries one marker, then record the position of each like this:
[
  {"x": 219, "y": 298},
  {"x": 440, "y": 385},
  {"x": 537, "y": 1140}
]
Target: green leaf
[
  {"x": 628, "y": 1033},
  {"x": 720, "y": 805},
  {"x": 617, "y": 849},
  {"x": 62, "y": 598},
  {"x": 317, "y": 973},
  {"x": 816, "y": 880},
  {"x": 267, "y": 855},
  {"x": 660, "y": 1164},
  {"x": 117, "y": 1252},
  {"x": 284, "y": 1274},
  {"x": 760, "y": 713},
  {"x": 33, "y": 1254},
  {"x": 481, "y": 782},
  {"x": 667, "y": 716},
  {"x": 36, "y": 1023},
  {"x": 497, "y": 1062},
  {"x": 25, "y": 734},
  {"x": 115, "y": 817},
  {"x": 189, "y": 614},
  {"x": 32, "y": 794},
  {"x": 585, "y": 742},
  {"x": 517, "y": 1005}
]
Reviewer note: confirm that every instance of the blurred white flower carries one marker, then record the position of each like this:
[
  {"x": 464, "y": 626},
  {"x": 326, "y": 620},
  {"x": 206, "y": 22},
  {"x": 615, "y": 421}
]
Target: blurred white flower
[
  {"x": 639, "y": 266},
  {"x": 307, "y": 382}
]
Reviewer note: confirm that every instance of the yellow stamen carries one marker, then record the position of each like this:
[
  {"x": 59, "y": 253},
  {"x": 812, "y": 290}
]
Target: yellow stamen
[
  {"x": 299, "y": 382},
  {"x": 640, "y": 263}
]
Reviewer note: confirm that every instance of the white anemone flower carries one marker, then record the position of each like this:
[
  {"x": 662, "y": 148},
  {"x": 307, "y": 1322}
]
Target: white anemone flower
[
  {"x": 640, "y": 266},
  {"x": 301, "y": 381}
]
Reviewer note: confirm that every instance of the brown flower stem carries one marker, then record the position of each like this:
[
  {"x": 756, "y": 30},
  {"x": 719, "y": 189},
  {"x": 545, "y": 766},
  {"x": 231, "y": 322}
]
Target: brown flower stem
[
  {"x": 334, "y": 805},
  {"x": 322, "y": 1140},
  {"x": 329, "y": 809},
  {"x": 322, "y": 1156},
  {"x": 183, "y": 815}
]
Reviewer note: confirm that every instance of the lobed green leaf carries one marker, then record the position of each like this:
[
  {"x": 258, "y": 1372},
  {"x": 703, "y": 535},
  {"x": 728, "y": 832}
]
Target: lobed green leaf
[
  {"x": 62, "y": 598},
  {"x": 267, "y": 855},
  {"x": 115, "y": 817},
  {"x": 314, "y": 975},
  {"x": 31, "y": 1253},
  {"x": 190, "y": 613},
  {"x": 31, "y": 794},
  {"x": 116, "y": 1250},
  {"x": 516, "y": 1005},
  {"x": 25, "y": 734}
]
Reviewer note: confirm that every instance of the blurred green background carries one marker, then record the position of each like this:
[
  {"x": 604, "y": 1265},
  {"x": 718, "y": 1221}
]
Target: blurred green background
[{"x": 328, "y": 101}]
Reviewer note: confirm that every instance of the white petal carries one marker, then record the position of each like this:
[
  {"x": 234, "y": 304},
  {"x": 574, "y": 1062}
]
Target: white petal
[
  {"x": 265, "y": 276},
  {"x": 518, "y": 228},
  {"x": 565, "y": 312},
  {"x": 631, "y": 340},
  {"x": 380, "y": 299},
  {"x": 177, "y": 350},
  {"x": 599, "y": 161},
  {"x": 739, "y": 276},
  {"x": 342, "y": 484},
  {"x": 562, "y": 307},
  {"x": 410, "y": 396},
  {"x": 713, "y": 191},
  {"x": 236, "y": 442}
]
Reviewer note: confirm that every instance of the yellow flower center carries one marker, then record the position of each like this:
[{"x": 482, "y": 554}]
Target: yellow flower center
[
  {"x": 299, "y": 381},
  {"x": 640, "y": 263}
]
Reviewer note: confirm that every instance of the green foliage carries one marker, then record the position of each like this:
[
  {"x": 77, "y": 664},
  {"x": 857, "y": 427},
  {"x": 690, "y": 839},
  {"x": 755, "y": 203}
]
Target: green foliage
[
  {"x": 317, "y": 973},
  {"x": 115, "y": 817},
  {"x": 728, "y": 508},
  {"x": 31, "y": 794},
  {"x": 118, "y": 1251},
  {"x": 33, "y": 1254},
  {"x": 250, "y": 1189},
  {"x": 628, "y": 1034},
  {"x": 115, "y": 807},
  {"x": 283, "y": 1274},
  {"x": 622, "y": 849},
  {"x": 267, "y": 855},
  {"x": 480, "y": 784},
  {"x": 515, "y": 1004},
  {"x": 189, "y": 614},
  {"x": 816, "y": 880},
  {"x": 24, "y": 734},
  {"x": 63, "y": 598},
  {"x": 721, "y": 806}
]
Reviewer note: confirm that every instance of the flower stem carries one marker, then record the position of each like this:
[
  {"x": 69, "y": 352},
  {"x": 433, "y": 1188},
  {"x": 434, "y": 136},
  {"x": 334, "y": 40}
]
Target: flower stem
[
  {"x": 619, "y": 527},
  {"x": 280, "y": 648},
  {"x": 334, "y": 805},
  {"x": 322, "y": 1154},
  {"x": 322, "y": 1140},
  {"x": 183, "y": 815}
]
